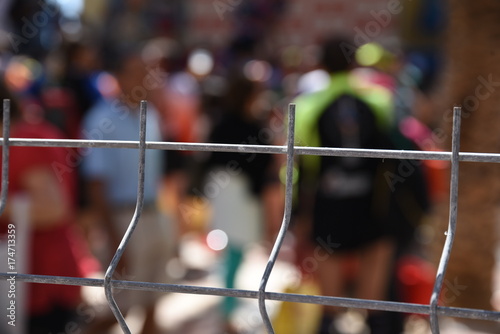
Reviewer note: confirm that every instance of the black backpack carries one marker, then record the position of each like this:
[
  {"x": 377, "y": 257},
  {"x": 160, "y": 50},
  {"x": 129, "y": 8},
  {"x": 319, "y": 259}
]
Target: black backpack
[{"x": 348, "y": 122}]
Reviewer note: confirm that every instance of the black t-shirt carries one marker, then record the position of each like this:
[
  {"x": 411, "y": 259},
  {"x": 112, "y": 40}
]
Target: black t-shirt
[{"x": 234, "y": 129}]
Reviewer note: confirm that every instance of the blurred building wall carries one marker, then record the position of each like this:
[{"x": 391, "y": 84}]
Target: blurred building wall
[{"x": 303, "y": 22}]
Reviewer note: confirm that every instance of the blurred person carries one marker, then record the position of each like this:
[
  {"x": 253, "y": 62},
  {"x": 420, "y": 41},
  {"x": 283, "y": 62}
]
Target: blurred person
[
  {"x": 81, "y": 71},
  {"x": 388, "y": 68},
  {"x": 70, "y": 94},
  {"x": 39, "y": 82},
  {"x": 343, "y": 202},
  {"x": 59, "y": 92},
  {"x": 240, "y": 179},
  {"x": 112, "y": 178},
  {"x": 179, "y": 104},
  {"x": 411, "y": 199},
  {"x": 56, "y": 245}
]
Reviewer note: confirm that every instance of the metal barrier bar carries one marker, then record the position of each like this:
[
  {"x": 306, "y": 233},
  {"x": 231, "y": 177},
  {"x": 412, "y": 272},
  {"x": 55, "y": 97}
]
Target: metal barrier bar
[
  {"x": 269, "y": 149},
  {"x": 452, "y": 224},
  {"x": 433, "y": 309},
  {"x": 285, "y": 222},
  {"x": 5, "y": 155},
  {"x": 132, "y": 225},
  {"x": 251, "y": 294}
]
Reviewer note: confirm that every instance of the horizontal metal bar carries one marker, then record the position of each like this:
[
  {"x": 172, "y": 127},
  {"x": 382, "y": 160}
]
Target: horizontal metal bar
[
  {"x": 285, "y": 297},
  {"x": 266, "y": 149}
]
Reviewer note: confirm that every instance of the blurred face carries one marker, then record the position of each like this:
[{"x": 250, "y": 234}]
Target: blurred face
[
  {"x": 131, "y": 78},
  {"x": 86, "y": 58}
]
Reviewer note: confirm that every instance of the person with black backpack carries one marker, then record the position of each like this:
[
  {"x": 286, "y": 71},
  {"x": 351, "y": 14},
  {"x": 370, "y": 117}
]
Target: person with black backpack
[{"x": 344, "y": 203}]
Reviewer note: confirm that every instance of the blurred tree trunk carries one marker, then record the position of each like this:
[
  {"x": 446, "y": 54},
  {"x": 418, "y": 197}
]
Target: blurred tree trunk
[{"x": 472, "y": 80}]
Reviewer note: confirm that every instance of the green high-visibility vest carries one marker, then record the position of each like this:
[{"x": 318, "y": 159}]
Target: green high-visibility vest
[{"x": 310, "y": 107}]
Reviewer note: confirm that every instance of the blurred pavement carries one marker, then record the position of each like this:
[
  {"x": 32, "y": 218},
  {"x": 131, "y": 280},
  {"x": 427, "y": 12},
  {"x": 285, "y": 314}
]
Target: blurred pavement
[{"x": 180, "y": 313}]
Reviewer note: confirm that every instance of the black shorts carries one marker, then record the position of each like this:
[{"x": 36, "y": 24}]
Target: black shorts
[{"x": 350, "y": 223}]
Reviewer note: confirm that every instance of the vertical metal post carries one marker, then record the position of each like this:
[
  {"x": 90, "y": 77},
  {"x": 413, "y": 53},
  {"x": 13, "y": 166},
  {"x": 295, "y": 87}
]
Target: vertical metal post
[
  {"x": 133, "y": 223},
  {"x": 450, "y": 234},
  {"x": 286, "y": 219},
  {"x": 5, "y": 155}
]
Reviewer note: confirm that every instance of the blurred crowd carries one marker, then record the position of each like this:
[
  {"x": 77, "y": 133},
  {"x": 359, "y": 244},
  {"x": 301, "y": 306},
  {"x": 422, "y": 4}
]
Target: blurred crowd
[{"x": 83, "y": 77}]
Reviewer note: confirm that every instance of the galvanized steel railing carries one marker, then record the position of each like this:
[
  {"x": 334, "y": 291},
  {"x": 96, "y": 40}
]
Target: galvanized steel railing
[{"x": 433, "y": 309}]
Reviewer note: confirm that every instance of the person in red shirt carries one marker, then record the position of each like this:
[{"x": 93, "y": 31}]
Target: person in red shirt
[{"x": 56, "y": 246}]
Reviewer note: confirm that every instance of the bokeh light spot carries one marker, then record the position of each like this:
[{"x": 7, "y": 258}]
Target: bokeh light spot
[
  {"x": 217, "y": 240},
  {"x": 200, "y": 62}
]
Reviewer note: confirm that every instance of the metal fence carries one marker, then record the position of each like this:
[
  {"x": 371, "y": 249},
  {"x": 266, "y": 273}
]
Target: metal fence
[{"x": 432, "y": 309}]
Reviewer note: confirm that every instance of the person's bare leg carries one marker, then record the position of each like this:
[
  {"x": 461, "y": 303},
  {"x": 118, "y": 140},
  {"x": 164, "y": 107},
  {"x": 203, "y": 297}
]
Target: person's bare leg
[
  {"x": 331, "y": 282},
  {"x": 376, "y": 264},
  {"x": 375, "y": 270},
  {"x": 150, "y": 325},
  {"x": 100, "y": 325},
  {"x": 331, "y": 279}
]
